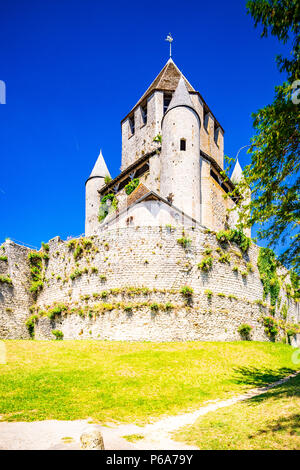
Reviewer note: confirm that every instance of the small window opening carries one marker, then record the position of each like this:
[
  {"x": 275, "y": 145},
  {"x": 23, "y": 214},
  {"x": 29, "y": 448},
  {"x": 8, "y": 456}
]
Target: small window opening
[
  {"x": 131, "y": 124},
  {"x": 167, "y": 100},
  {"x": 182, "y": 144},
  {"x": 144, "y": 113}
]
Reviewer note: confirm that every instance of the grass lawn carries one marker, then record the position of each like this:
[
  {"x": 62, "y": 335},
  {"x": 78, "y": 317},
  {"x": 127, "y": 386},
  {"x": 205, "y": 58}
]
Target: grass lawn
[
  {"x": 270, "y": 422},
  {"x": 130, "y": 382}
]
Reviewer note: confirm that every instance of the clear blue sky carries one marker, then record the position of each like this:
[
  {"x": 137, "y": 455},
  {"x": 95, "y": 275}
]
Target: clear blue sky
[{"x": 74, "y": 68}]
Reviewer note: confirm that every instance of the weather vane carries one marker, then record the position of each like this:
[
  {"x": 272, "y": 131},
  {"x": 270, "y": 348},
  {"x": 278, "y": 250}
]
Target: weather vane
[{"x": 170, "y": 40}]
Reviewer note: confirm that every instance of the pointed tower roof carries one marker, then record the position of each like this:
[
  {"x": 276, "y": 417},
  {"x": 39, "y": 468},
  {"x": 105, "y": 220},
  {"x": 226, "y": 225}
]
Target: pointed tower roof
[
  {"x": 181, "y": 96},
  {"x": 166, "y": 80},
  {"x": 237, "y": 173},
  {"x": 100, "y": 168}
]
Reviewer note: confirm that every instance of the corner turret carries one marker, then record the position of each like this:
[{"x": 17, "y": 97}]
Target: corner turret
[
  {"x": 180, "y": 155},
  {"x": 95, "y": 182}
]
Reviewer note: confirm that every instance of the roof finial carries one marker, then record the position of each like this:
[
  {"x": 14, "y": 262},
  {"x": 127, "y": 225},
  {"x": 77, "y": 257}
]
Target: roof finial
[{"x": 170, "y": 40}]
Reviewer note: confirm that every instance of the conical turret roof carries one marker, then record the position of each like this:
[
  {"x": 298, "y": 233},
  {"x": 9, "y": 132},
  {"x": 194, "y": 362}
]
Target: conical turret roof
[
  {"x": 181, "y": 96},
  {"x": 100, "y": 168},
  {"x": 237, "y": 173}
]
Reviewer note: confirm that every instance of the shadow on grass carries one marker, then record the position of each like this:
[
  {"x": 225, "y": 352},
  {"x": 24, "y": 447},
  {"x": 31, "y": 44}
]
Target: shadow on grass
[
  {"x": 258, "y": 377},
  {"x": 291, "y": 388},
  {"x": 289, "y": 425}
]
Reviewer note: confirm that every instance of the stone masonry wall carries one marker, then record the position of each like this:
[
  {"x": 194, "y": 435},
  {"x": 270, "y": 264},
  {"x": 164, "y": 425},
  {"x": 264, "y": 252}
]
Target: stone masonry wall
[
  {"x": 122, "y": 260},
  {"x": 109, "y": 289},
  {"x": 15, "y": 298}
]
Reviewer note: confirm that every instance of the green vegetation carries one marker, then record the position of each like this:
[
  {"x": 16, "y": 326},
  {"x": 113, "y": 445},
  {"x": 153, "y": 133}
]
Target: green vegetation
[
  {"x": 78, "y": 251},
  {"x": 154, "y": 307},
  {"x": 208, "y": 293},
  {"x": 187, "y": 291},
  {"x": 295, "y": 283},
  {"x": 30, "y": 324},
  {"x": 249, "y": 267},
  {"x": 236, "y": 236},
  {"x": 56, "y": 379},
  {"x": 106, "y": 208},
  {"x": 185, "y": 242},
  {"x": 266, "y": 422},
  {"x": 133, "y": 437},
  {"x": 271, "y": 327},
  {"x": 158, "y": 138},
  {"x": 273, "y": 174},
  {"x": 36, "y": 286},
  {"x": 267, "y": 265},
  {"x": 292, "y": 330},
  {"x": 57, "y": 310},
  {"x": 206, "y": 264},
  {"x": 5, "y": 280},
  {"x": 58, "y": 334},
  {"x": 128, "y": 308},
  {"x": 130, "y": 187},
  {"x": 75, "y": 274},
  {"x": 107, "y": 179},
  {"x": 169, "y": 306},
  {"x": 232, "y": 297},
  {"x": 45, "y": 247},
  {"x": 244, "y": 330},
  {"x": 36, "y": 260},
  {"x": 3, "y": 258},
  {"x": 224, "y": 258}
]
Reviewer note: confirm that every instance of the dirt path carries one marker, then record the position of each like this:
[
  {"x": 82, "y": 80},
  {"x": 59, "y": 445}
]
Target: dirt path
[{"x": 65, "y": 435}]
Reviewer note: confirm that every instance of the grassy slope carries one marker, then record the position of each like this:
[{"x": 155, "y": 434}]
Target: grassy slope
[
  {"x": 269, "y": 421},
  {"x": 129, "y": 382}
]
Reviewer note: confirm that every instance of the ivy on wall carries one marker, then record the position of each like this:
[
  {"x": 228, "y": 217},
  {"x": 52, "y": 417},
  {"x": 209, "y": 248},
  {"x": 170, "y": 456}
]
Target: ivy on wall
[
  {"x": 236, "y": 236},
  {"x": 295, "y": 282},
  {"x": 107, "y": 207},
  {"x": 267, "y": 264}
]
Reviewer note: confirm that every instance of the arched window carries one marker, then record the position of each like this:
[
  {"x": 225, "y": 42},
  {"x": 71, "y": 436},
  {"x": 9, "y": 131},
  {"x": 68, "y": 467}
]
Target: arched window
[{"x": 182, "y": 144}]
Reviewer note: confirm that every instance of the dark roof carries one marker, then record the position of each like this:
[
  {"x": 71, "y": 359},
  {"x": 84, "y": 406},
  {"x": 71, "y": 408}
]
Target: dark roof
[
  {"x": 147, "y": 156},
  {"x": 129, "y": 169}
]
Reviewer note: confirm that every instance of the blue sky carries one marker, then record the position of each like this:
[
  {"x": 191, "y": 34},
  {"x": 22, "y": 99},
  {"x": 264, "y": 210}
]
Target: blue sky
[{"x": 74, "y": 68}]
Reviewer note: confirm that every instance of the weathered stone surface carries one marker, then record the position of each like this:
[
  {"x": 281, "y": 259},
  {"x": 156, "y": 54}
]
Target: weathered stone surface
[
  {"x": 91, "y": 439},
  {"x": 137, "y": 257},
  {"x": 15, "y": 299}
]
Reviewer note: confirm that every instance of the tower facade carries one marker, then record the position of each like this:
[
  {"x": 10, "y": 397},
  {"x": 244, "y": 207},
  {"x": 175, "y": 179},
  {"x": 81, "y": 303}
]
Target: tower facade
[{"x": 172, "y": 163}]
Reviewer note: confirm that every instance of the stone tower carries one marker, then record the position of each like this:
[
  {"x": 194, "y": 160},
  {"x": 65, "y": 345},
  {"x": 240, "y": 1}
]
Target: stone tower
[
  {"x": 180, "y": 155},
  {"x": 172, "y": 163},
  {"x": 95, "y": 182}
]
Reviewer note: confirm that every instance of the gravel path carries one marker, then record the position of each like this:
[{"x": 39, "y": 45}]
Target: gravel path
[{"x": 65, "y": 435}]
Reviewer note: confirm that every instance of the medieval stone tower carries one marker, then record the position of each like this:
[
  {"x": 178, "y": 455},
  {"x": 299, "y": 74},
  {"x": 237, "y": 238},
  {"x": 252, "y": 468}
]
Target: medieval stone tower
[
  {"x": 154, "y": 265},
  {"x": 173, "y": 150}
]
